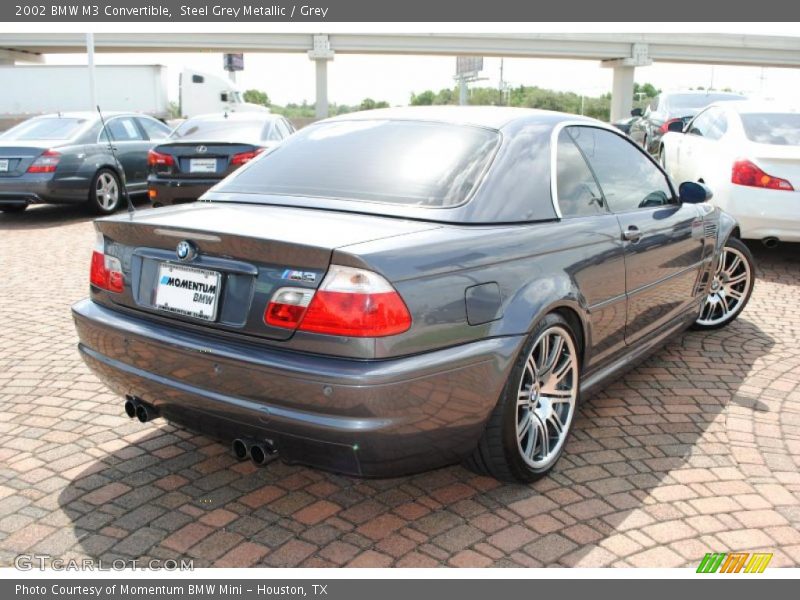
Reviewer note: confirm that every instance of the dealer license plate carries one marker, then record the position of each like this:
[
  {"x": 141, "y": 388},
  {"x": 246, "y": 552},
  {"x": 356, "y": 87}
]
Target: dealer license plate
[
  {"x": 188, "y": 291},
  {"x": 202, "y": 165}
]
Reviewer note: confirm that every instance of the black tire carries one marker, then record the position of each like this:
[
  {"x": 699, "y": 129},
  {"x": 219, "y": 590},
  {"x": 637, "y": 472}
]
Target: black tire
[
  {"x": 99, "y": 202},
  {"x": 708, "y": 318},
  {"x": 499, "y": 454},
  {"x": 13, "y": 208}
]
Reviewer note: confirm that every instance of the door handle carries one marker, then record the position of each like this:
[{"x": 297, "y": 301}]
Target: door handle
[{"x": 632, "y": 234}]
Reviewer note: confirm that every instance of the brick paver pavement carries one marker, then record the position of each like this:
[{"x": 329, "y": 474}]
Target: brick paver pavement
[{"x": 695, "y": 451}]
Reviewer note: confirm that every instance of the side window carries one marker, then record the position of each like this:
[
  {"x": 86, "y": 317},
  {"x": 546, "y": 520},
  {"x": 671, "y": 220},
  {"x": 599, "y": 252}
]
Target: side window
[
  {"x": 273, "y": 134},
  {"x": 718, "y": 125},
  {"x": 155, "y": 130},
  {"x": 628, "y": 179},
  {"x": 288, "y": 125},
  {"x": 122, "y": 129},
  {"x": 576, "y": 188},
  {"x": 702, "y": 124},
  {"x": 283, "y": 128}
]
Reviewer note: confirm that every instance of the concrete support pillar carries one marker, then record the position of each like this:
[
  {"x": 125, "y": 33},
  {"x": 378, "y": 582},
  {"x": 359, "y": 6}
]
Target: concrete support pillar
[
  {"x": 321, "y": 105},
  {"x": 622, "y": 92},
  {"x": 90, "y": 65},
  {"x": 321, "y": 53}
]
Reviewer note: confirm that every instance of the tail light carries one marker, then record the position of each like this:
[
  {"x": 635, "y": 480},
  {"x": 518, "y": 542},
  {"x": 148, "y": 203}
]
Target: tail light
[
  {"x": 106, "y": 271},
  {"x": 45, "y": 162},
  {"x": 665, "y": 125},
  {"x": 244, "y": 157},
  {"x": 746, "y": 173},
  {"x": 349, "y": 302},
  {"x": 159, "y": 159}
]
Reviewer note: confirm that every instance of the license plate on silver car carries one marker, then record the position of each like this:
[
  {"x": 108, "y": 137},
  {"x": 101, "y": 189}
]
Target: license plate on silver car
[
  {"x": 203, "y": 165},
  {"x": 188, "y": 291},
  {"x": 3, "y": 165}
]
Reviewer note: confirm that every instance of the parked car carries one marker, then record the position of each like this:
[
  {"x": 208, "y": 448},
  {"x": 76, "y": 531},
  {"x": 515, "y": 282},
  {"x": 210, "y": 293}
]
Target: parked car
[
  {"x": 202, "y": 151},
  {"x": 67, "y": 158},
  {"x": 749, "y": 154},
  {"x": 401, "y": 289},
  {"x": 624, "y": 125},
  {"x": 667, "y": 108}
]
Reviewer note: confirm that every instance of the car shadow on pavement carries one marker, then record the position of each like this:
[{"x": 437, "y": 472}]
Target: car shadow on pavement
[
  {"x": 46, "y": 216},
  {"x": 645, "y": 474}
]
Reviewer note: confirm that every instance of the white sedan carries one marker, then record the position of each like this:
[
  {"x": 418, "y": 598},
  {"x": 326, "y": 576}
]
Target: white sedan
[{"x": 749, "y": 155}]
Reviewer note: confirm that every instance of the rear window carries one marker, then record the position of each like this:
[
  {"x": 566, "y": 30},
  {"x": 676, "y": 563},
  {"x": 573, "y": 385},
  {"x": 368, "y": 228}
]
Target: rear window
[
  {"x": 398, "y": 162},
  {"x": 698, "y": 101},
  {"x": 44, "y": 129},
  {"x": 223, "y": 130},
  {"x": 780, "y": 129}
]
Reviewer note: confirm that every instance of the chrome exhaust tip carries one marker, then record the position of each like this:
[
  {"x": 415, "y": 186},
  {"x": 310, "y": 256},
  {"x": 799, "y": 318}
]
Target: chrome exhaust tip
[
  {"x": 130, "y": 406},
  {"x": 145, "y": 413},
  {"x": 240, "y": 450},
  {"x": 262, "y": 453}
]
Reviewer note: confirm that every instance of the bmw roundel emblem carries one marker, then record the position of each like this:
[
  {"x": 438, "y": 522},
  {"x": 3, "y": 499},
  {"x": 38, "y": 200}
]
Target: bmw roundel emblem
[{"x": 186, "y": 251}]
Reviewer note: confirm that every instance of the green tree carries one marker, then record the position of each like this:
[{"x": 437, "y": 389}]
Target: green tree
[
  {"x": 425, "y": 98},
  {"x": 256, "y": 97}
]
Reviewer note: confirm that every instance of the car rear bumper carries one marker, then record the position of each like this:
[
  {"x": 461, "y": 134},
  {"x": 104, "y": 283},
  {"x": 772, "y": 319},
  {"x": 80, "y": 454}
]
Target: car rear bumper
[
  {"x": 765, "y": 213},
  {"x": 22, "y": 190},
  {"x": 177, "y": 191},
  {"x": 367, "y": 418}
]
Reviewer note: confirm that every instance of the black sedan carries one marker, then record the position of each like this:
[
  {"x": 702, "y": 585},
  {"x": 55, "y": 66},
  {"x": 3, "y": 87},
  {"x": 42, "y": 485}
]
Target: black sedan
[
  {"x": 401, "y": 289},
  {"x": 205, "y": 149},
  {"x": 68, "y": 158},
  {"x": 649, "y": 126}
]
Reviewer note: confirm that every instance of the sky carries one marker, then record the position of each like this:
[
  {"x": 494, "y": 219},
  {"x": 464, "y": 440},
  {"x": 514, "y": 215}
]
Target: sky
[{"x": 351, "y": 78}]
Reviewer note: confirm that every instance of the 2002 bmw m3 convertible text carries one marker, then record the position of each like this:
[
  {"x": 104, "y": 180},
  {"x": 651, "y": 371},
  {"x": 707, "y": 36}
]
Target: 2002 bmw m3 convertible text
[{"x": 402, "y": 289}]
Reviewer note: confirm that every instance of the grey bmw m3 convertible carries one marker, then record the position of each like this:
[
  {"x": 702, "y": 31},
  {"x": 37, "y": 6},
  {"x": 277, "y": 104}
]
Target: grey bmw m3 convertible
[{"x": 402, "y": 289}]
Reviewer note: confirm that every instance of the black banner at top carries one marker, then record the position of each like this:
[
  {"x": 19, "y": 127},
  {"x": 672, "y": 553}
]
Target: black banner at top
[{"x": 319, "y": 11}]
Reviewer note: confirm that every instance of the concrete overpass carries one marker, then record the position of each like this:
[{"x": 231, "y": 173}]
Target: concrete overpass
[{"x": 620, "y": 52}]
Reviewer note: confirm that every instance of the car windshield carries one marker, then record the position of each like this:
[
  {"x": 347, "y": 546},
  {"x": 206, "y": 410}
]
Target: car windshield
[
  {"x": 398, "y": 162},
  {"x": 697, "y": 101},
  {"x": 780, "y": 129},
  {"x": 48, "y": 128},
  {"x": 220, "y": 130}
]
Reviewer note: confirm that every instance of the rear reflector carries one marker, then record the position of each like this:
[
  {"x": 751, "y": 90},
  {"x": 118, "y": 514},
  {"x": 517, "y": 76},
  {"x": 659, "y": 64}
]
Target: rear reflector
[
  {"x": 746, "y": 173},
  {"x": 106, "y": 271},
  {"x": 349, "y": 302},
  {"x": 45, "y": 163}
]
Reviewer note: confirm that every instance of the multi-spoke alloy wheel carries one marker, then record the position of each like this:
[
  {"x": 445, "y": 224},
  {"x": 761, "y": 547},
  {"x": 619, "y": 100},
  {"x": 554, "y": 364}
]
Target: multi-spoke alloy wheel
[
  {"x": 528, "y": 428},
  {"x": 546, "y": 397},
  {"x": 105, "y": 192},
  {"x": 730, "y": 288}
]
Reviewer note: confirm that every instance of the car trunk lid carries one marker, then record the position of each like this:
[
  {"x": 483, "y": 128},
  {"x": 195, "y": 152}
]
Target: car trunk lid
[
  {"x": 779, "y": 161},
  {"x": 245, "y": 252},
  {"x": 15, "y": 158},
  {"x": 201, "y": 160}
]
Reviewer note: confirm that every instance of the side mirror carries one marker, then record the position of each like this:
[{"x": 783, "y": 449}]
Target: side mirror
[
  {"x": 676, "y": 126},
  {"x": 692, "y": 192},
  {"x": 636, "y": 112}
]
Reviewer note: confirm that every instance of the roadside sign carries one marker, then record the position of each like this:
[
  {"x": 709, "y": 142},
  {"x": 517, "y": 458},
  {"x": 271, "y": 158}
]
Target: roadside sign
[{"x": 234, "y": 62}]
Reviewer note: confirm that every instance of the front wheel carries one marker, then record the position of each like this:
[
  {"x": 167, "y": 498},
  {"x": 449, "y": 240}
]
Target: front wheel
[
  {"x": 526, "y": 432},
  {"x": 731, "y": 286},
  {"x": 104, "y": 196}
]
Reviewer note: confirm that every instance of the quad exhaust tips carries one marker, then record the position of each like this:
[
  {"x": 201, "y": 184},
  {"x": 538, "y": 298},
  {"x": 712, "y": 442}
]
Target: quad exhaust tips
[
  {"x": 261, "y": 453},
  {"x": 136, "y": 407}
]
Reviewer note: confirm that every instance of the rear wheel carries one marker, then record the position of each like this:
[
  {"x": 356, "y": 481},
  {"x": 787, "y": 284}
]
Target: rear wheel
[
  {"x": 13, "y": 208},
  {"x": 528, "y": 428},
  {"x": 104, "y": 195},
  {"x": 731, "y": 286}
]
